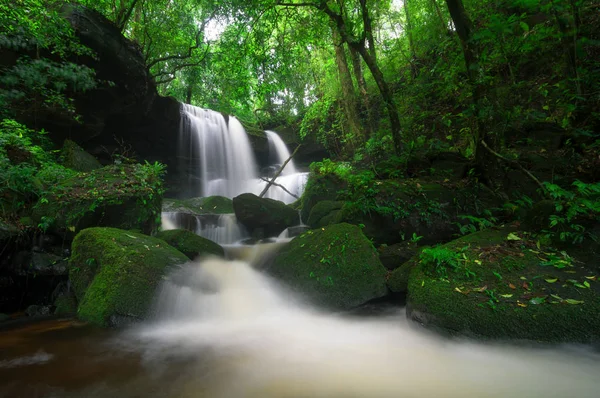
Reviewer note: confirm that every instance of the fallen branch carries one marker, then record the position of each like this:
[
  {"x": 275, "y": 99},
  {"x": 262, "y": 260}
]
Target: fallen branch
[
  {"x": 280, "y": 186},
  {"x": 278, "y": 172},
  {"x": 517, "y": 164}
]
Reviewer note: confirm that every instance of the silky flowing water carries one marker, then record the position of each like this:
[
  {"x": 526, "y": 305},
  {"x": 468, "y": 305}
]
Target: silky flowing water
[{"x": 222, "y": 329}]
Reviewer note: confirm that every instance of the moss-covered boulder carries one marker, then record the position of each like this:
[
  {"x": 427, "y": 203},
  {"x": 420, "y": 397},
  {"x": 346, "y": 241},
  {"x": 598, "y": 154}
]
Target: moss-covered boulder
[
  {"x": 336, "y": 266},
  {"x": 262, "y": 216},
  {"x": 320, "y": 187},
  {"x": 324, "y": 213},
  {"x": 201, "y": 205},
  {"x": 397, "y": 280},
  {"x": 114, "y": 273},
  {"x": 502, "y": 284},
  {"x": 74, "y": 157},
  {"x": 396, "y": 210},
  {"x": 190, "y": 244},
  {"x": 393, "y": 256},
  {"x": 120, "y": 196}
]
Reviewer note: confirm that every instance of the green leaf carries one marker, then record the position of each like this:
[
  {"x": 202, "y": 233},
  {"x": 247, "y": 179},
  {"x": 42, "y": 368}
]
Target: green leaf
[
  {"x": 524, "y": 26},
  {"x": 551, "y": 280},
  {"x": 572, "y": 301},
  {"x": 506, "y": 295},
  {"x": 512, "y": 236}
]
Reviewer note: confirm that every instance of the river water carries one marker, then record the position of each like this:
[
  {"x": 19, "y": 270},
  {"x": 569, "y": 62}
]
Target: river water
[{"x": 221, "y": 329}]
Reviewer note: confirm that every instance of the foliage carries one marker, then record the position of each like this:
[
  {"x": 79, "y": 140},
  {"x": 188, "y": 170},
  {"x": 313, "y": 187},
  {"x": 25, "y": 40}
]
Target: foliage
[
  {"x": 43, "y": 75},
  {"x": 574, "y": 208}
]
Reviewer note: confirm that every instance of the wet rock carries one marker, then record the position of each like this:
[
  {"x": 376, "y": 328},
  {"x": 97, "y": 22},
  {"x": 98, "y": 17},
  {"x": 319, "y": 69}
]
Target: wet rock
[
  {"x": 395, "y": 255},
  {"x": 115, "y": 272},
  {"x": 269, "y": 215},
  {"x": 335, "y": 266},
  {"x": 37, "y": 310},
  {"x": 202, "y": 205},
  {"x": 323, "y": 213},
  {"x": 190, "y": 244}
]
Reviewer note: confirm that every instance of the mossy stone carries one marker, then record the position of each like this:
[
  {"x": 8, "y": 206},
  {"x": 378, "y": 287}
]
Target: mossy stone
[
  {"x": 118, "y": 196},
  {"x": 323, "y": 213},
  {"x": 320, "y": 187},
  {"x": 74, "y": 157},
  {"x": 66, "y": 304},
  {"x": 114, "y": 273},
  {"x": 269, "y": 215},
  {"x": 200, "y": 205},
  {"x": 398, "y": 279},
  {"x": 190, "y": 244},
  {"x": 336, "y": 266},
  {"x": 514, "y": 291}
]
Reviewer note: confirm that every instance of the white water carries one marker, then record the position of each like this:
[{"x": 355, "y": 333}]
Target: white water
[
  {"x": 251, "y": 339},
  {"x": 223, "y": 229},
  {"x": 227, "y": 166},
  {"x": 280, "y": 152}
]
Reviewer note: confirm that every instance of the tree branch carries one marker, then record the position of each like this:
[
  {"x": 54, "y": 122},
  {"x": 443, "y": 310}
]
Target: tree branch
[
  {"x": 516, "y": 164},
  {"x": 280, "y": 186},
  {"x": 279, "y": 172}
]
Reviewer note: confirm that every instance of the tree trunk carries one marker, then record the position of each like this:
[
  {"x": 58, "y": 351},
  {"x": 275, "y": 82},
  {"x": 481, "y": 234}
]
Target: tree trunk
[
  {"x": 349, "y": 97},
  {"x": 411, "y": 44},
  {"x": 443, "y": 23},
  {"x": 368, "y": 28},
  {"x": 365, "y": 105}
]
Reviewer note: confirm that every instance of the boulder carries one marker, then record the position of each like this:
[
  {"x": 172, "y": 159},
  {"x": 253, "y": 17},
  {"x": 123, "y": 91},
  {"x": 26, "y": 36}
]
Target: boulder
[
  {"x": 74, "y": 157},
  {"x": 190, "y": 244},
  {"x": 500, "y": 284},
  {"x": 262, "y": 216},
  {"x": 202, "y": 205},
  {"x": 395, "y": 255},
  {"x": 319, "y": 187},
  {"x": 397, "y": 280},
  {"x": 324, "y": 213},
  {"x": 335, "y": 266},
  {"x": 120, "y": 196},
  {"x": 35, "y": 311},
  {"x": 114, "y": 273}
]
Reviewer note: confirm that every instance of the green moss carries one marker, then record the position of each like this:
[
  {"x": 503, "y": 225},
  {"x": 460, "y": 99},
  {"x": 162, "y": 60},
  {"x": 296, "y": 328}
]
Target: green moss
[
  {"x": 320, "y": 187},
  {"x": 115, "y": 272},
  {"x": 203, "y": 205},
  {"x": 190, "y": 244},
  {"x": 74, "y": 157},
  {"x": 398, "y": 279},
  {"x": 121, "y": 196},
  {"x": 321, "y": 213},
  {"x": 335, "y": 265},
  {"x": 511, "y": 294},
  {"x": 65, "y": 304}
]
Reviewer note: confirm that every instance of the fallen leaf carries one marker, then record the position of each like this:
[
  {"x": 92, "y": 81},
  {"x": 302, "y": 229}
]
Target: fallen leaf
[
  {"x": 592, "y": 278},
  {"x": 586, "y": 284},
  {"x": 556, "y": 297},
  {"x": 537, "y": 300},
  {"x": 512, "y": 286},
  {"x": 552, "y": 280},
  {"x": 512, "y": 236},
  {"x": 521, "y": 304},
  {"x": 506, "y": 295},
  {"x": 572, "y": 301},
  {"x": 525, "y": 285},
  {"x": 523, "y": 278},
  {"x": 480, "y": 289}
]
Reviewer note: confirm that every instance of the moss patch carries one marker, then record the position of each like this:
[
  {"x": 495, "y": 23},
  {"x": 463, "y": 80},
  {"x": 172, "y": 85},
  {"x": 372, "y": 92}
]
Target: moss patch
[
  {"x": 335, "y": 265},
  {"x": 323, "y": 213},
  {"x": 190, "y": 244},
  {"x": 115, "y": 272},
  {"x": 204, "y": 205},
  {"x": 499, "y": 284},
  {"x": 74, "y": 157},
  {"x": 122, "y": 196}
]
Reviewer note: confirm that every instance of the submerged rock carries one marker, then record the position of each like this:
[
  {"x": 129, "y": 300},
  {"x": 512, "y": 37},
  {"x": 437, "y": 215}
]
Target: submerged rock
[
  {"x": 114, "y": 273},
  {"x": 336, "y": 266},
  {"x": 264, "y": 215},
  {"x": 500, "y": 283},
  {"x": 190, "y": 244}
]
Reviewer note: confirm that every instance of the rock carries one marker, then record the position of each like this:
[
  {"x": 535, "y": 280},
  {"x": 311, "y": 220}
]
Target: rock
[
  {"x": 497, "y": 284},
  {"x": 190, "y": 244},
  {"x": 115, "y": 272},
  {"x": 398, "y": 279},
  {"x": 8, "y": 231},
  {"x": 46, "y": 264},
  {"x": 202, "y": 205},
  {"x": 37, "y": 310},
  {"x": 269, "y": 215},
  {"x": 324, "y": 213},
  {"x": 336, "y": 266},
  {"x": 319, "y": 187},
  {"x": 74, "y": 157},
  {"x": 395, "y": 255},
  {"x": 66, "y": 304},
  {"x": 120, "y": 196}
]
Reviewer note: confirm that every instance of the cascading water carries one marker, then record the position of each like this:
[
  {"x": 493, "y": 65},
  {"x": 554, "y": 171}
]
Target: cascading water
[
  {"x": 253, "y": 339},
  {"x": 222, "y": 161}
]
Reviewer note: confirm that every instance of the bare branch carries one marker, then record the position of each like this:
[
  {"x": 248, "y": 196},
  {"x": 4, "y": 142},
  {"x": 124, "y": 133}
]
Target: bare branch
[
  {"x": 280, "y": 186},
  {"x": 279, "y": 172}
]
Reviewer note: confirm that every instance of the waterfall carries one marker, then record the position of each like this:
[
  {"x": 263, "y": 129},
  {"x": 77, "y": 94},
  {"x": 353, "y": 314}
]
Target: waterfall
[
  {"x": 221, "y": 162},
  {"x": 280, "y": 153}
]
